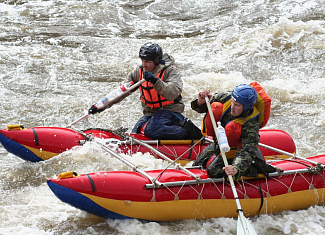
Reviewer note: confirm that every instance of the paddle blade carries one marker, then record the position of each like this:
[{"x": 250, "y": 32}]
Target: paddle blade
[{"x": 244, "y": 227}]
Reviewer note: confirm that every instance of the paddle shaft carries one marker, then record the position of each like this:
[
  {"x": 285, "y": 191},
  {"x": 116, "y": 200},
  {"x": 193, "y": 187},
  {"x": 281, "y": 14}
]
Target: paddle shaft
[
  {"x": 243, "y": 221},
  {"x": 78, "y": 120},
  {"x": 113, "y": 101}
]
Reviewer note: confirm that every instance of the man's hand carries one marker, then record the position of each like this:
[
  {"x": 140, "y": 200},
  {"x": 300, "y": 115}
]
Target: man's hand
[
  {"x": 230, "y": 170},
  {"x": 202, "y": 95},
  {"x": 93, "y": 109},
  {"x": 149, "y": 77}
]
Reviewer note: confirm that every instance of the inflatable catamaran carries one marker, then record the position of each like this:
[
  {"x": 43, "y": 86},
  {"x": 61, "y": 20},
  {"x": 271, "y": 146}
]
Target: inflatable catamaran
[
  {"x": 42, "y": 143},
  {"x": 187, "y": 193}
]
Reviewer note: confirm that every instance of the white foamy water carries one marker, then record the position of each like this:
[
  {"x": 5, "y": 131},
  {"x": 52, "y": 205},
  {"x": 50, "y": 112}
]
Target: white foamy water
[{"x": 57, "y": 58}]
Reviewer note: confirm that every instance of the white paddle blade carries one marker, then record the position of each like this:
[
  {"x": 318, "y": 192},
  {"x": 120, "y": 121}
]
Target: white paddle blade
[{"x": 244, "y": 227}]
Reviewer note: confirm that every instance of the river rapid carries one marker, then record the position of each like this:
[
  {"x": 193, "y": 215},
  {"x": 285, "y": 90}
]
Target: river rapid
[{"x": 57, "y": 58}]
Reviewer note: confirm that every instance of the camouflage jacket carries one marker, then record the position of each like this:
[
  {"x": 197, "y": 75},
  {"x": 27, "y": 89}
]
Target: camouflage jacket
[{"x": 250, "y": 137}]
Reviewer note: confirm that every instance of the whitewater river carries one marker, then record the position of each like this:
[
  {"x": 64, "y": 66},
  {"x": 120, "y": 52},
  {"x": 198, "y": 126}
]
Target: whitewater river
[{"x": 57, "y": 58}]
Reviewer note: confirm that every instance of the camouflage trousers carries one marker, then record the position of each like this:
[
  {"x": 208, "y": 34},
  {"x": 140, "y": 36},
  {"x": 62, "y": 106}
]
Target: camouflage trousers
[
  {"x": 205, "y": 155},
  {"x": 214, "y": 170}
]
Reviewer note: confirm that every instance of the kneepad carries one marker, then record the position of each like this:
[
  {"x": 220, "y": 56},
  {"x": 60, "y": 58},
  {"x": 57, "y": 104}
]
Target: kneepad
[{"x": 210, "y": 160}]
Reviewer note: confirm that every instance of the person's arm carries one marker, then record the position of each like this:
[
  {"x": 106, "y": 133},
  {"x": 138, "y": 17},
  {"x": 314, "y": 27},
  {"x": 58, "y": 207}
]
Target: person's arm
[
  {"x": 133, "y": 76},
  {"x": 172, "y": 85},
  {"x": 250, "y": 138},
  {"x": 199, "y": 104},
  {"x": 200, "y": 109}
]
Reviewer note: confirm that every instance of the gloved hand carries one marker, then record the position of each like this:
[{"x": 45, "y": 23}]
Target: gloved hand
[
  {"x": 149, "y": 77},
  {"x": 93, "y": 109}
]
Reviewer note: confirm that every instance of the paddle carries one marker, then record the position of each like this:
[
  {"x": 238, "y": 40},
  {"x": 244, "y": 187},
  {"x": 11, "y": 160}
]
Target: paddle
[
  {"x": 243, "y": 225},
  {"x": 115, "y": 100}
]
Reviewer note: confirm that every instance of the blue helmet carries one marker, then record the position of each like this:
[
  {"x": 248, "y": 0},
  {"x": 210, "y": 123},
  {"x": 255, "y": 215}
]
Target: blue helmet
[
  {"x": 151, "y": 51},
  {"x": 246, "y": 95}
]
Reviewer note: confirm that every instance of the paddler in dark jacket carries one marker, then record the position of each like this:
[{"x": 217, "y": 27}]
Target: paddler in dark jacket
[
  {"x": 161, "y": 95},
  {"x": 239, "y": 117}
]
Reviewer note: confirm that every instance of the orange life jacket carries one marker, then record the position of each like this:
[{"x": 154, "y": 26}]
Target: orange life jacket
[
  {"x": 233, "y": 128},
  {"x": 263, "y": 103},
  {"x": 149, "y": 95}
]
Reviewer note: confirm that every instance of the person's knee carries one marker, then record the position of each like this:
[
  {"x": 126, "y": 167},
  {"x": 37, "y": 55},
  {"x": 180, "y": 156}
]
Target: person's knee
[
  {"x": 153, "y": 131},
  {"x": 141, "y": 122},
  {"x": 214, "y": 167},
  {"x": 210, "y": 167},
  {"x": 149, "y": 133},
  {"x": 209, "y": 161}
]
